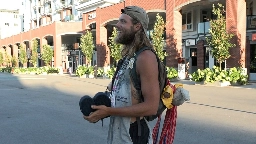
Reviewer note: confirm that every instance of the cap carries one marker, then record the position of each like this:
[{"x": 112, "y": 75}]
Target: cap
[{"x": 138, "y": 14}]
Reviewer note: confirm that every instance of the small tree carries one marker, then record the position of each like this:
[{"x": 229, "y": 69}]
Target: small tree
[
  {"x": 22, "y": 56},
  {"x": 1, "y": 58},
  {"x": 7, "y": 59},
  {"x": 47, "y": 54},
  {"x": 219, "y": 41},
  {"x": 115, "y": 48},
  {"x": 87, "y": 45},
  {"x": 34, "y": 54},
  {"x": 14, "y": 61},
  {"x": 157, "y": 37}
]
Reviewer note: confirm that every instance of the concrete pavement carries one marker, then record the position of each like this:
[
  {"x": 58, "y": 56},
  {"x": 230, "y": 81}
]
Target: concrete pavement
[{"x": 44, "y": 110}]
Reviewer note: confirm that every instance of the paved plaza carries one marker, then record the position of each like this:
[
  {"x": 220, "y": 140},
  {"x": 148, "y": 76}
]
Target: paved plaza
[{"x": 44, "y": 110}]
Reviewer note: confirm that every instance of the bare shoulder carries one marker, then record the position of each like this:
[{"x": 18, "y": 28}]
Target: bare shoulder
[
  {"x": 147, "y": 56},
  {"x": 146, "y": 61}
]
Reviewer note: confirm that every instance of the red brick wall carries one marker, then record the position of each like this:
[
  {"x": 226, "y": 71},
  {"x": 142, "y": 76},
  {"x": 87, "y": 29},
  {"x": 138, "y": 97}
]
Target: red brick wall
[
  {"x": 200, "y": 54},
  {"x": 237, "y": 26}
]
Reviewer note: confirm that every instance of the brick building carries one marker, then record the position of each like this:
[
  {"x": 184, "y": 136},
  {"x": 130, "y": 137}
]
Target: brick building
[{"x": 186, "y": 29}]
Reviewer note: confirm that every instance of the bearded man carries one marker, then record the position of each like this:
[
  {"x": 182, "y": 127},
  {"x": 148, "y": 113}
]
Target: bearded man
[{"x": 127, "y": 111}]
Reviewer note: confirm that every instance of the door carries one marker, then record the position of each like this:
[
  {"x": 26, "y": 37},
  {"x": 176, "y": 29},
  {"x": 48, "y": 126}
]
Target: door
[{"x": 193, "y": 59}]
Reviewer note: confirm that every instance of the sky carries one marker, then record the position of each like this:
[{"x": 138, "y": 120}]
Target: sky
[{"x": 10, "y": 4}]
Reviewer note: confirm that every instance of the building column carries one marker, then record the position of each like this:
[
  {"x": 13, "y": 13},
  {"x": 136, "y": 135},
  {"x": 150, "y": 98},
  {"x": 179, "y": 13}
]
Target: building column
[
  {"x": 9, "y": 50},
  {"x": 103, "y": 52},
  {"x": 173, "y": 35},
  {"x": 43, "y": 41},
  {"x": 25, "y": 47},
  {"x": 57, "y": 51},
  {"x": 15, "y": 53},
  {"x": 200, "y": 54},
  {"x": 236, "y": 24}
]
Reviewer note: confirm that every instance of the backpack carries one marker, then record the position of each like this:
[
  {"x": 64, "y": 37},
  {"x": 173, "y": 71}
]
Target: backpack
[{"x": 162, "y": 77}]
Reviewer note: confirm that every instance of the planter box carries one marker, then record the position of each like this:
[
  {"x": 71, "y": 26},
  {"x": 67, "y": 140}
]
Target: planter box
[
  {"x": 32, "y": 73},
  {"x": 235, "y": 84},
  {"x": 91, "y": 76},
  {"x": 83, "y": 76},
  {"x": 200, "y": 83},
  {"x": 221, "y": 84},
  {"x": 44, "y": 73},
  {"x": 174, "y": 79}
]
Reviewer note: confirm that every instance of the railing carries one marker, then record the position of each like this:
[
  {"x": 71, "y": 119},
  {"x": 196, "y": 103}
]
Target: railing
[
  {"x": 203, "y": 28},
  {"x": 251, "y": 22},
  {"x": 69, "y": 18}
]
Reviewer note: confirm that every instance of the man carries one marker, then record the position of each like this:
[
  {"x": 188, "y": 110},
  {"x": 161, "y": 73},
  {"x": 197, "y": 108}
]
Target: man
[{"x": 126, "y": 100}]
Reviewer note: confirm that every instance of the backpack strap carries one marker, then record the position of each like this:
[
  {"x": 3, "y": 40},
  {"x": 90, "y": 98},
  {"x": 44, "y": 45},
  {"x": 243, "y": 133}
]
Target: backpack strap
[
  {"x": 136, "y": 79},
  {"x": 133, "y": 73},
  {"x": 119, "y": 64}
]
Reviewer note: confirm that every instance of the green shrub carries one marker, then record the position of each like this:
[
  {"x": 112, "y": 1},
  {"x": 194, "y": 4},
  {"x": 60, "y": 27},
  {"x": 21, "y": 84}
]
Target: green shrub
[{"x": 171, "y": 73}]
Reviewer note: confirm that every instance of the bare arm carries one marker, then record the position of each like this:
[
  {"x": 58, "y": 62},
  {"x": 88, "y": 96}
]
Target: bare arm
[{"x": 147, "y": 68}]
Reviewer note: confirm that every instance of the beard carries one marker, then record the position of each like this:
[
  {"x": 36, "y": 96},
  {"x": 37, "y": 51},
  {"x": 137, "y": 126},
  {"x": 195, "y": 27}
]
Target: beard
[{"x": 125, "y": 37}]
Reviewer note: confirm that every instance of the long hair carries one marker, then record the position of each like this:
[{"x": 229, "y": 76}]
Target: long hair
[{"x": 140, "y": 40}]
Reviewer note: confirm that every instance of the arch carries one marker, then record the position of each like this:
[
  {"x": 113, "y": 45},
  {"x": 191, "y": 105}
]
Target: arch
[
  {"x": 156, "y": 10},
  {"x": 109, "y": 21},
  {"x": 47, "y": 35},
  {"x": 35, "y": 38},
  {"x": 177, "y": 8},
  {"x": 69, "y": 33}
]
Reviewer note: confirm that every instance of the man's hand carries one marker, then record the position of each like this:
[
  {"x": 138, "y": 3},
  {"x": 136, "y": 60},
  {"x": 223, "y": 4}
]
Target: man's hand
[
  {"x": 109, "y": 86},
  {"x": 101, "y": 112}
]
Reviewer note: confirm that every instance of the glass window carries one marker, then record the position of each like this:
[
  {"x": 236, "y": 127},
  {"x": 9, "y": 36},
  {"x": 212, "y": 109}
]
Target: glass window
[
  {"x": 189, "y": 18},
  {"x": 184, "y": 19},
  {"x": 187, "y": 21}
]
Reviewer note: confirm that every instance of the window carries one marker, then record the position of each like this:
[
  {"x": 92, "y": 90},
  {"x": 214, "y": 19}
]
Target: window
[{"x": 187, "y": 21}]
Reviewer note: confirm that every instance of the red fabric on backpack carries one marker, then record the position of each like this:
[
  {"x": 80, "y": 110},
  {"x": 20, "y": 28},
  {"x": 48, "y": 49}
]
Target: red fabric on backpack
[{"x": 169, "y": 127}]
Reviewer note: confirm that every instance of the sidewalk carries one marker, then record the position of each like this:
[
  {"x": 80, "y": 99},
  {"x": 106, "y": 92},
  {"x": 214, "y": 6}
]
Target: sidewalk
[{"x": 250, "y": 85}]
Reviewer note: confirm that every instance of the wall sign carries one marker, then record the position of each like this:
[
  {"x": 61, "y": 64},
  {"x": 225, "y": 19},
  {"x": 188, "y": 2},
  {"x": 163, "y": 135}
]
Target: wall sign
[{"x": 92, "y": 16}]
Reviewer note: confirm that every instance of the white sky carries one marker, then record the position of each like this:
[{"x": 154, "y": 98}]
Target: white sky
[{"x": 10, "y": 4}]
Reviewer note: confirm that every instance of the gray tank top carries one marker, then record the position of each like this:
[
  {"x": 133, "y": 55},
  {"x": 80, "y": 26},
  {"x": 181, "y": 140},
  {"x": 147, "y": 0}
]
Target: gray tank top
[{"x": 121, "y": 97}]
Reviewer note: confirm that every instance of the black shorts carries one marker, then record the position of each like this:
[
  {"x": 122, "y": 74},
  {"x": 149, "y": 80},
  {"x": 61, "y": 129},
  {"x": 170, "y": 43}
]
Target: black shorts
[{"x": 143, "y": 139}]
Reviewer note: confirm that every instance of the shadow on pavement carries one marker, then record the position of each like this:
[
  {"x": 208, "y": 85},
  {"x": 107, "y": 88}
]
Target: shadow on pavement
[{"x": 45, "y": 110}]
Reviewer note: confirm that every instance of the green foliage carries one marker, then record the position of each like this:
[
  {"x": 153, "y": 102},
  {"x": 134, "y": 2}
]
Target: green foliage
[
  {"x": 47, "y": 54},
  {"x": 110, "y": 73},
  {"x": 53, "y": 70},
  {"x": 87, "y": 45},
  {"x": 100, "y": 72},
  {"x": 198, "y": 76},
  {"x": 237, "y": 76},
  {"x": 1, "y": 58},
  {"x": 6, "y": 69},
  {"x": 157, "y": 37},
  {"x": 233, "y": 75},
  {"x": 171, "y": 73},
  {"x": 14, "y": 61},
  {"x": 115, "y": 49},
  {"x": 34, "y": 54},
  {"x": 219, "y": 41},
  {"x": 7, "y": 59},
  {"x": 23, "y": 56}
]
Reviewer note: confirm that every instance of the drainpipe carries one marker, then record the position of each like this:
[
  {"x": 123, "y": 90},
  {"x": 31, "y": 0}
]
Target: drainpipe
[
  {"x": 165, "y": 6},
  {"x": 124, "y": 3}
]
